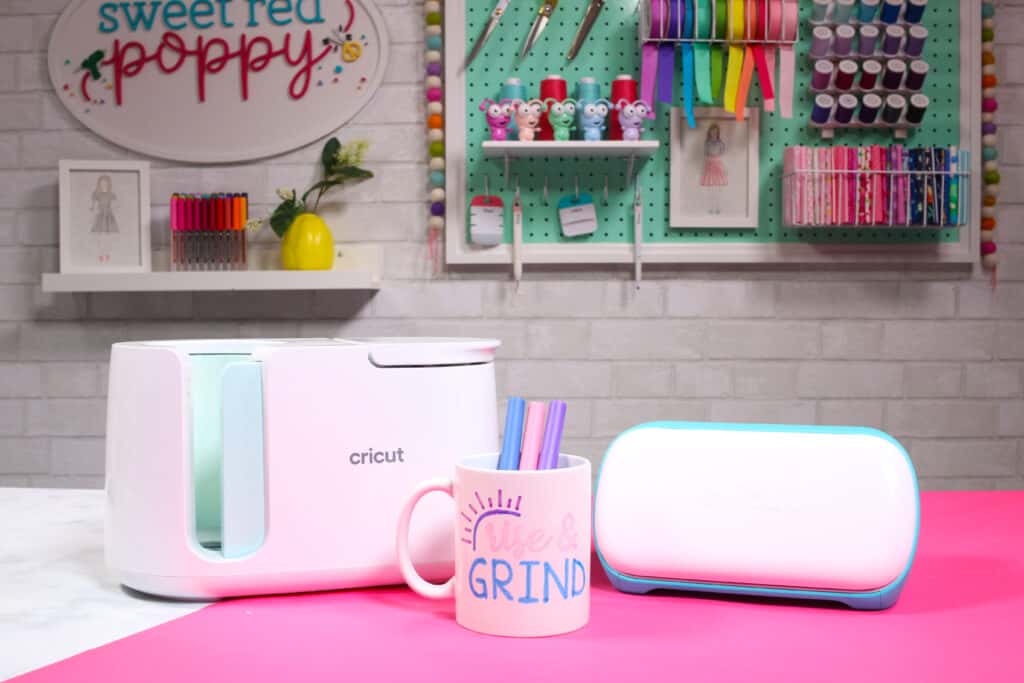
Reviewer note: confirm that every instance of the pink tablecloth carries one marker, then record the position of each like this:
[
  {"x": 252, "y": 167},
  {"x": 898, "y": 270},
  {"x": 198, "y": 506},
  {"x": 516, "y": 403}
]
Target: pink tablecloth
[{"x": 961, "y": 618}]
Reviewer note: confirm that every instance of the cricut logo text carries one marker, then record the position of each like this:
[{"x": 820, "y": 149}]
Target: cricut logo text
[{"x": 372, "y": 457}]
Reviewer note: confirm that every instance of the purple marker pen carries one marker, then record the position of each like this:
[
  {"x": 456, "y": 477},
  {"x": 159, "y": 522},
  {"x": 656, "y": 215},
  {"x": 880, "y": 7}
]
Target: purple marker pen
[{"x": 548, "y": 459}]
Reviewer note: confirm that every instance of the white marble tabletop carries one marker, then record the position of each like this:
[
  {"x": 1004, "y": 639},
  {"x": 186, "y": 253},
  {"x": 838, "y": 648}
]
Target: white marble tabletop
[{"x": 56, "y": 597}]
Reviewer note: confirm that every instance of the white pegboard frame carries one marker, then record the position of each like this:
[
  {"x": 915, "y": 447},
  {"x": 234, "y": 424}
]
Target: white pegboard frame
[{"x": 458, "y": 251}]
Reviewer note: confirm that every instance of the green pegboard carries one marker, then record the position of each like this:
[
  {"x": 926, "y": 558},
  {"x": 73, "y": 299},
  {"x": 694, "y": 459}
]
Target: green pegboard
[{"x": 612, "y": 49}]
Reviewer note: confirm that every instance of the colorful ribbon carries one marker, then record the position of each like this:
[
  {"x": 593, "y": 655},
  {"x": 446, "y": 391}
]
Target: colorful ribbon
[
  {"x": 735, "y": 67},
  {"x": 718, "y": 50},
  {"x": 649, "y": 51},
  {"x": 774, "y": 33},
  {"x": 686, "y": 53},
  {"x": 666, "y": 53},
  {"x": 702, "y": 51},
  {"x": 747, "y": 74},
  {"x": 764, "y": 76},
  {"x": 787, "y": 58}
]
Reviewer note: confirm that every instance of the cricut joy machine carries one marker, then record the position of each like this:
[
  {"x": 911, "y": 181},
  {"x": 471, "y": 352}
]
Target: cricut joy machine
[{"x": 269, "y": 466}]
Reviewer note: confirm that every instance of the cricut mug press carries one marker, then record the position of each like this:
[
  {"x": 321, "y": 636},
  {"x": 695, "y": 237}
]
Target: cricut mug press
[
  {"x": 826, "y": 513},
  {"x": 270, "y": 466}
]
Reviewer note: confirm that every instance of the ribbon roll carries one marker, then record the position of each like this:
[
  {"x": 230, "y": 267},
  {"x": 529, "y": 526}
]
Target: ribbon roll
[
  {"x": 666, "y": 52},
  {"x": 774, "y": 33},
  {"x": 787, "y": 57},
  {"x": 718, "y": 50},
  {"x": 687, "y": 57},
  {"x": 735, "y": 67},
  {"x": 747, "y": 74},
  {"x": 701, "y": 51},
  {"x": 649, "y": 51},
  {"x": 764, "y": 75}
]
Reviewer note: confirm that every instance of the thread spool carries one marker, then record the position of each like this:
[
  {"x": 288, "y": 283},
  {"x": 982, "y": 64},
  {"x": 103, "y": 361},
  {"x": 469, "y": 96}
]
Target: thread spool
[
  {"x": 894, "y": 71},
  {"x": 867, "y": 10},
  {"x": 822, "y": 111},
  {"x": 918, "y": 71},
  {"x": 891, "y": 11},
  {"x": 553, "y": 86},
  {"x": 869, "y": 107},
  {"x": 512, "y": 89},
  {"x": 845, "y": 74},
  {"x": 843, "y": 11},
  {"x": 587, "y": 91},
  {"x": 821, "y": 41},
  {"x": 915, "y": 11},
  {"x": 843, "y": 44},
  {"x": 623, "y": 88},
  {"x": 822, "y": 78},
  {"x": 871, "y": 69},
  {"x": 868, "y": 40},
  {"x": 845, "y": 107},
  {"x": 893, "y": 40},
  {"x": 894, "y": 106},
  {"x": 917, "y": 36},
  {"x": 820, "y": 10}
]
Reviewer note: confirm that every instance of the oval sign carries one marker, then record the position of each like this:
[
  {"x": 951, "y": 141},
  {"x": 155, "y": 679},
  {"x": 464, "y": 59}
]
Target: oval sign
[{"x": 217, "y": 80}]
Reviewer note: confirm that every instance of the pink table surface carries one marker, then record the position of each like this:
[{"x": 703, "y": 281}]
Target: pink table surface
[{"x": 961, "y": 618}]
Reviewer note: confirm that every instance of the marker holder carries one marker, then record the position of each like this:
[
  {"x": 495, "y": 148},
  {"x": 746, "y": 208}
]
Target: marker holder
[{"x": 822, "y": 181}]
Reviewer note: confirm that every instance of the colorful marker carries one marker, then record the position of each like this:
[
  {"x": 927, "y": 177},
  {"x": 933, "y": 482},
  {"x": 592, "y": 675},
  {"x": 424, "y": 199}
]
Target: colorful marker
[
  {"x": 533, "y": 435},
  {"x": 552, "y": 436},
  {"x": 513, "y": 438}
]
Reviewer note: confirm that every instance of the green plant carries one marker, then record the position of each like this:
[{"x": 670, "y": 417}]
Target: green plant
[{"x": 340, "y": 164}]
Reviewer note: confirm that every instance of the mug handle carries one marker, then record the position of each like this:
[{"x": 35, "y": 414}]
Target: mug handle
[{"x": 415, "y": 581}]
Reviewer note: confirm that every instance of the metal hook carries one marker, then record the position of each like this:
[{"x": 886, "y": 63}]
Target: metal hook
[
  {"x": 606, "y": 189},
  {"x": 576, "y": 180},
  {"x": 487, "y": 185},
  {"x": 507, "y": 163},
  {"x": 546, "y": 203}
]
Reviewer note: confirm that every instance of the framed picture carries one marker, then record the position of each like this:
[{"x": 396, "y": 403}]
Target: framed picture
[
  {"x": 104, "y": 217},
  {"x": 714, "y": 170}
]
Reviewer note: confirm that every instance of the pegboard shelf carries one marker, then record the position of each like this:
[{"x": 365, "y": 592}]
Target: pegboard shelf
[
  {"x": 612, "y": 49},
  {"x": 579, "y": 149},
  {"x": 900, "y": 130}
]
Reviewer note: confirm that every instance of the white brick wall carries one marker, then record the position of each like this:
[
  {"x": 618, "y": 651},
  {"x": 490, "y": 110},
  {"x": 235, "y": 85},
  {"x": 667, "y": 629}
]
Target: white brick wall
[{"x": 934, "y": 358}]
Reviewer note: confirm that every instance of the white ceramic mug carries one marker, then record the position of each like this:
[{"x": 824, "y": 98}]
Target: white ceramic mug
[{"x": 522, "y": 547}]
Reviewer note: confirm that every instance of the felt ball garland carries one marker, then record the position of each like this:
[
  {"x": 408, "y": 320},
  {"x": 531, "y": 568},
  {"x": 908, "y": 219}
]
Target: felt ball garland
[
  {"x": 434, "y": 88},
  {"x": 989, "y": 153}
]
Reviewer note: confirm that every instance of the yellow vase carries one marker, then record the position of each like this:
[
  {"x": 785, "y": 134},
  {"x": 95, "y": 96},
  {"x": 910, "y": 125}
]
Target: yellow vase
[{"x": 308, "y": 244}]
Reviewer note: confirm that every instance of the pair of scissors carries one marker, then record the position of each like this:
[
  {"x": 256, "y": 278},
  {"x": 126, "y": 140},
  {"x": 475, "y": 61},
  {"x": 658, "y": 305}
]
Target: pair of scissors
[
  {"x": 589, "y": 18},
  {"x": 485, "y": 34},
  {"x": 539, "y": 24}
]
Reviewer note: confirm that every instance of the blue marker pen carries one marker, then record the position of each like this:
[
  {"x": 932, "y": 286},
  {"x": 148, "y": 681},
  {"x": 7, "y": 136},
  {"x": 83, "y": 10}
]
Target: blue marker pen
[{"x": 513, "y": 437}]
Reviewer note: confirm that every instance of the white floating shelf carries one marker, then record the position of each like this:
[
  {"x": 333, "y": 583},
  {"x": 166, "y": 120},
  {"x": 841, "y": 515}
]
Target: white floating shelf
[
  {"x": 356, "y": 268},
  {"x": 572, "y": 148}
]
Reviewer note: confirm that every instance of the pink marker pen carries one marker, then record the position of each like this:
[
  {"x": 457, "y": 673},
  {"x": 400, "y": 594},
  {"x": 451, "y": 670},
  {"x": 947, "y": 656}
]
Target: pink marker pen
[{"x": 533, "y": 434}]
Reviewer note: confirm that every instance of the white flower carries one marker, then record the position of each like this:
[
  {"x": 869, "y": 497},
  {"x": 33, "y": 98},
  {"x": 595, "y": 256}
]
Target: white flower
[
  {"x": 254, "y": 224},
  {"x": 352, "y": 154},
  {"x": 285, "y": 195}
]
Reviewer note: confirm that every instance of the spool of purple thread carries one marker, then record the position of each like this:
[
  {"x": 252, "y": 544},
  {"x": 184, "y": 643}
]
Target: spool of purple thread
[
  {"x": 868, "y": 40},
  {"x": 894, "y": 71},
  {"x": 845, "y": 75},
  {"x": 821, "y": 41},
  {"x": 847, "y": 104},
  {"x": 871, "y": 69},
  {"x": 843, "y": 44},
  {"x": 822, "y": 78},
  {"x": 822, "y": 111},
  {"x": 893, "y": 40},
  {"x": 916, "y": 37},
  {"x": 918, "y": 71},
  {"x": 869, "y": 107}
]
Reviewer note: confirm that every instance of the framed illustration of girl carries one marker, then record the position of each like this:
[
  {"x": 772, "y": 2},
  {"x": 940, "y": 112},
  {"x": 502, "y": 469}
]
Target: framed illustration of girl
[
  {"x": 104, "y": 217},
  {"x": 714, "y": 172}
]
